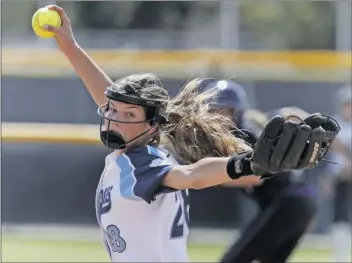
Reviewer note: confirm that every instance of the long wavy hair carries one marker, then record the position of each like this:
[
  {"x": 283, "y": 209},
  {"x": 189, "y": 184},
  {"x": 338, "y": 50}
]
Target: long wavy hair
[{"x": 191, "y": 130}]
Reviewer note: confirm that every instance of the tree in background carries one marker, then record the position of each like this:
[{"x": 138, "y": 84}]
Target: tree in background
[
  {"x": 270, "y": 25},
  {"x": 291, "y": 24}
]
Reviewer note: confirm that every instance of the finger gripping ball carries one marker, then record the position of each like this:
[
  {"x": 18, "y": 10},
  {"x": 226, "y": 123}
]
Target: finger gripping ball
[{"x": 42, "y": 17}]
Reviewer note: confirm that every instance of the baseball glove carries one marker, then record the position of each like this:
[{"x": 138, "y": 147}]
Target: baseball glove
[{"x": 285, "y": 145}]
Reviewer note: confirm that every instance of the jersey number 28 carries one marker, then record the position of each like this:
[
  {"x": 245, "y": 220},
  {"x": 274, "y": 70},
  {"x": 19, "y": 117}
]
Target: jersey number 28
[
  {"x": 116, "y": 242},
  {"x": 182, "y": 215}
]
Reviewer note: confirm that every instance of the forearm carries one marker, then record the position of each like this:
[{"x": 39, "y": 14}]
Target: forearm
[
  {"x": 202, "y": 174},
  {"x": 208, "y": 172},
  {"x": 92, "y": 76}
]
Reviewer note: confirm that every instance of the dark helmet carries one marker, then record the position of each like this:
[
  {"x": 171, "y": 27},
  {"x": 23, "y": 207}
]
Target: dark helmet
[
  {"x": 127, "y": 93},
  {"x": 230, "y": 96}
]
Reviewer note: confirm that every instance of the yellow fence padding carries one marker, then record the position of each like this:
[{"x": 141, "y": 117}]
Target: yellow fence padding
[
  {"x": 50, "y": 133},
  {"x": 179, "y": 63}
]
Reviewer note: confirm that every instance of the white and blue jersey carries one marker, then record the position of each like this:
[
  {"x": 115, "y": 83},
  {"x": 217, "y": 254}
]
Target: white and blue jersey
[{"x": 140, "y": 219}]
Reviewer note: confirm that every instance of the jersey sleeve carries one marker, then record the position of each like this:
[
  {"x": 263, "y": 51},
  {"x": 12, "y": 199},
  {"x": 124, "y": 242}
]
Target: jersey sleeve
[{"x": 142, "y": 172}]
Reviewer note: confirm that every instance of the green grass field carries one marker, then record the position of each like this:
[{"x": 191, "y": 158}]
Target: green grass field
[{"x": 28, "y": 250}]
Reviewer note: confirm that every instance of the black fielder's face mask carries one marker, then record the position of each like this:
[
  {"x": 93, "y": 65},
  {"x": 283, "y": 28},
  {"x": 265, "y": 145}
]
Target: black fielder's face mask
[
  {"x": 113, "y": 139},
  {"x": 110, "y": 138}
]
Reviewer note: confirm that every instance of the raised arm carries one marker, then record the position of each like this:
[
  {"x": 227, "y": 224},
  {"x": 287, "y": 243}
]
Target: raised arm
[{"x": 92, "y": 76}]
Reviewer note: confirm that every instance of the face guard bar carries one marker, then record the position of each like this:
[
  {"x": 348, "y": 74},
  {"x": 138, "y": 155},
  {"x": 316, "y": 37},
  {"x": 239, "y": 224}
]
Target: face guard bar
[{"x": 114, "y": 140}]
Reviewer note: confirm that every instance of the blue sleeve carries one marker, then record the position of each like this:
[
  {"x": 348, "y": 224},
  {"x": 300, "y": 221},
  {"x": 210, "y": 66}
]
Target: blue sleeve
[{"x": 142, "y": 172}]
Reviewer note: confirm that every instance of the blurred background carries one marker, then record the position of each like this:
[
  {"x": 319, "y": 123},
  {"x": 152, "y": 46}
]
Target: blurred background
[{"x": 284, "y": 53}]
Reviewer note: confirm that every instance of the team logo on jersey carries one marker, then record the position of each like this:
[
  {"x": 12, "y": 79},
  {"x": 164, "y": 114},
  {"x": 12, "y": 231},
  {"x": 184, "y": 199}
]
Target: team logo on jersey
[
  {"x": 159, "y": 162},
  {"x": 105, "y": 200}
]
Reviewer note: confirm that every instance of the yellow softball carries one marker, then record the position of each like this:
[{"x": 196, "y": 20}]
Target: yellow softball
[{"x": 42, "y": 17}]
